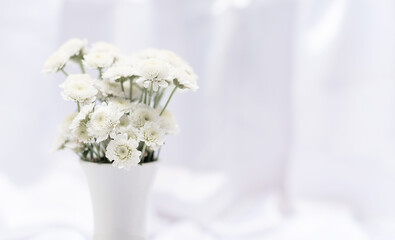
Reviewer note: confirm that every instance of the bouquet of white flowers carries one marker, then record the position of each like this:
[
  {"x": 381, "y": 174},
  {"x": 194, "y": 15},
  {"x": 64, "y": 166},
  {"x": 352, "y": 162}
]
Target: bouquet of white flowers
[{"x": 119, "y": 118}]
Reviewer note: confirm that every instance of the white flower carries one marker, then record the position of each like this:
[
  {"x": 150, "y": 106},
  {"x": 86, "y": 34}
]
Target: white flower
[
  {"x": 122, "y": 104},
  {"x": 108, "y": 88},
  {"x": 125, "y": 127},
  {"x": 155, "y": 72},
  {"x": 181, "y": 71},
  {"x": 142, "y": 114},
  {"x": 64, "y": 132},
  {"x": 64, "y": 127},
  {"x": 79, "y": 88},
  {"x": 124, "y": 122},
  {"x": 172, "y": 59},
  {"x": 79, "y": 125},
  {"x": 59, "y": 143},
  {"x": 123, "y": 151},
  {"x": 103, "y": 121},
  {"x": 55, "y": 62},
  {"x": 96, "y": 60},
  {"x": 168, "y": 122},
  {"x": 185, "y": 79},
  {"x": 152, "y": 135},
  {"x": 132, "y": 132},
  {"x": 74, "y": 47},
  {"x": 118, "y": 72}
]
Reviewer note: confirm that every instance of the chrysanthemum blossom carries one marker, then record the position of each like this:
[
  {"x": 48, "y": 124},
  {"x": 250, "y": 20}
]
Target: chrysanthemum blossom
[
  {"x": 95, "y": 60},
  {"x": 172, "y": 59},
  {"x": 155, "y": 73},
  {"x": 142, "y": 114},
  {"x": 152, "y": 134},
  {"x": 103, "y": 121},
  {"x": 64, "y": 135},
  {"x": 168, "y": 122},
  {"x": 123, "y": 152},
  {"x": 79, "y": 125},
  {"x": 185, "y": 79},
  {"x": 124, "y": 122},
  {"x": 79, "y": 88},
  {"x": 74, "y": 47},
  {"x": 124, "y": 127},
  {"x": 109, "y": 89},
  {"x": 55, "y": 62},
  {"x": 118, "y": 72}
]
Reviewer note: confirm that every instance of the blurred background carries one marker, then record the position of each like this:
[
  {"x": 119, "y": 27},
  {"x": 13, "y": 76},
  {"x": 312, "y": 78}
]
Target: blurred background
[{"x": 290, "y": 136}]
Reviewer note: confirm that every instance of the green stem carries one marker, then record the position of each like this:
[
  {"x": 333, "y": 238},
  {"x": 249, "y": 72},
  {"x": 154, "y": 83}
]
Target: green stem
[
  {"x": 150, "y": 95},
  {"x": 78, "y": 106},
  {"x": 145, "y": 95},
  {"x": 64, "y": 72},
  {"x": 142, "y": 153},
  {"x": 81, "y": 65},
  {"x": 159, "y": 96},
  {"x": 168, "y": 100},
  {"x": 141, "y": 96},
  {"x": 157, "y": 155},
  {"x": 98, "y": 150},
  {"x": 100, "y": 73},
  {"x": 91, "y": 150},
  {"x": 123, "y": 89},
  {"x": 131, "y": 88}
]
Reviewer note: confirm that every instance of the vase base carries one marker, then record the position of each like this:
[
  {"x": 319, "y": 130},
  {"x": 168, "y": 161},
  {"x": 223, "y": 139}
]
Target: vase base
[{"x": 118, "y": 237}]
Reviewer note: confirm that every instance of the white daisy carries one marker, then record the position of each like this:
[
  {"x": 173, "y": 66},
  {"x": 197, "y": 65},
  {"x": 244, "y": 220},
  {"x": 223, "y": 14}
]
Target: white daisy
[
  {"x": 168, "y": 122},
  {"x": 185, "y": 79},
  {"x": 64, "y": 127},
  {"x": 79, "y": 88},
  {"x": 74, "y": 47},
  {"x": 132, "y": 132},
  {"x": 108, "y": 89},
  {"x": 55, "y": 62},
  {"x": 103, "y": 121},
  {"x": 124, "y": 122},
  {"x": 118, "y": 72},
  {"x": 172, "y": 59},
  {"x": 123, "y": 152},
  {"x": 153, "y": 72},
  {"x": 79, "y": 125},
  {"x": 59, "y": 142},
  {"x": 124, "y": 127},
  {"x": 142, "y": 114},
  {"x": 152, "y": 134},
  {"x": 64, "y": 132},
  {"x": 97, "y": 60}
]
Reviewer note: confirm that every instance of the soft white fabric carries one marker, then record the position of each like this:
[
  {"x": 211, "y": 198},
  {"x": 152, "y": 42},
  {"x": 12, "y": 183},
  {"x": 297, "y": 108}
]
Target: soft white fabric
[{"x": 290, "y": 135}]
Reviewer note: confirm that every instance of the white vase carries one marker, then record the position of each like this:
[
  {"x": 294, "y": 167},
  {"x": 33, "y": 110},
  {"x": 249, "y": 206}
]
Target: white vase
[{"x": 119, "y": 199}]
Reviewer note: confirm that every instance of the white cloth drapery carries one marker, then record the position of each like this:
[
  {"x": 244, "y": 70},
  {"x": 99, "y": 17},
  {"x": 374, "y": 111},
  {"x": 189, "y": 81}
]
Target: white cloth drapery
[{"x": 292, "y": 129}]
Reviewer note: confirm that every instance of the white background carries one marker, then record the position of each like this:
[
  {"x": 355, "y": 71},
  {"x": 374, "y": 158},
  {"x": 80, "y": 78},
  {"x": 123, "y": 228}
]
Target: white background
[{"x": 290, "y": 136}]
